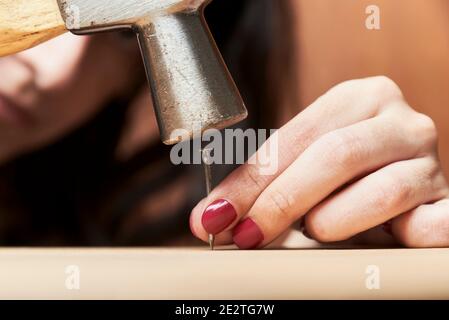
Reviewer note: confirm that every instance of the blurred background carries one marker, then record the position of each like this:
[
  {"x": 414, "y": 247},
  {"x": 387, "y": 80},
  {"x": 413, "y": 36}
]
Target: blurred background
[{"x": 81, "y": 162}]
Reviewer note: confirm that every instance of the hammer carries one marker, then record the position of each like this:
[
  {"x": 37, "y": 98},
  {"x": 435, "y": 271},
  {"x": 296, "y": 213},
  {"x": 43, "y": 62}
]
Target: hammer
[{"x": 191, "y": 87}]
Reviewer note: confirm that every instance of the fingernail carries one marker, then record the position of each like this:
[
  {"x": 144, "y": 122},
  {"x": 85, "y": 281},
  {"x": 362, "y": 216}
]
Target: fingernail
[
  {"x": 218, "y": 216},
  {"x": 247, "y": 234},
  {"x": 387, "y": 227}
]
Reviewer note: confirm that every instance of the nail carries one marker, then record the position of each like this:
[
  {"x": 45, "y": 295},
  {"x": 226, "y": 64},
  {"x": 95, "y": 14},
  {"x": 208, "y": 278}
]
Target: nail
[
  {"x": 387, "y": 228},
  {"x": 218, "y": 216},
  {"x": 247, "y": 234}
]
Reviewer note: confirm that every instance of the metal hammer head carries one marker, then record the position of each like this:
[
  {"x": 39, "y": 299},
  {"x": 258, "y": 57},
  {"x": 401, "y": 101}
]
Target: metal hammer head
[{"x": 191, "y": 87}]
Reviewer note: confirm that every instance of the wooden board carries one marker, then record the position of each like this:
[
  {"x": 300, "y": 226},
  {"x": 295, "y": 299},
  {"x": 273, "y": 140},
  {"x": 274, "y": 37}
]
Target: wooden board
[{"x": 198, "y": 273}]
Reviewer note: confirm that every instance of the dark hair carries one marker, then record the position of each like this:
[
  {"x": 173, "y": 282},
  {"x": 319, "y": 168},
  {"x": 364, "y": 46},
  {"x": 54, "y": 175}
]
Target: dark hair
[
  {"x": 255, "y": 37},
  {"x": 43, "y": 193}
]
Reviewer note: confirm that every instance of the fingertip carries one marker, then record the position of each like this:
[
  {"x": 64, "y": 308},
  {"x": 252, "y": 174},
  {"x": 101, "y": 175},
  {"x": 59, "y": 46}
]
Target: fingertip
[
  {"x": 195, "y": 221},
  {"x": 197, "y": 229},
  {"x": 192, "y": 228},
  {"x": 247, "y": 235},
  {"x": 218, "y": 216}
]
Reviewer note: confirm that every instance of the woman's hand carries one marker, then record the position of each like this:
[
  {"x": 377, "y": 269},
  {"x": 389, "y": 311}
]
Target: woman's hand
[{"x": 357, "y": 158}]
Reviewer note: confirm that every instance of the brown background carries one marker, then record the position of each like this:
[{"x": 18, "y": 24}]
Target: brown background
[{"x": 412, "y": 48}]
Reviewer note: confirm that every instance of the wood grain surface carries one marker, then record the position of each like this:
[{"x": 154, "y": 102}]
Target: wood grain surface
[
  {"x": 198, "y": 273},
  {"x": 27, "y": 23}
]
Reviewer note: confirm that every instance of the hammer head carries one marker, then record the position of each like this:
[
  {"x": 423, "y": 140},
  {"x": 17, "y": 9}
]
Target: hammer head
[
  {"x": 191, "y": 87},
  {"x": 99, "y": 14}
]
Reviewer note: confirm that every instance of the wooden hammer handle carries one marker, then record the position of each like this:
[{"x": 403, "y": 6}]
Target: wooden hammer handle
[{"x": 27, "y": 23}]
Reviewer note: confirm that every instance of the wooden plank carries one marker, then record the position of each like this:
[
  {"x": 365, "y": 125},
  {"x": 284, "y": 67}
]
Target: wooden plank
[{"x": 226, "y": 274}]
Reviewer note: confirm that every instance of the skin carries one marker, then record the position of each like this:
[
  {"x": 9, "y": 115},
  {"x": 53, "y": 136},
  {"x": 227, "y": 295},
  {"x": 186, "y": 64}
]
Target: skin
[
  {"x": 48, "y": 91},
  {"x": 347, "y": 163},
  {"x": 357, "y": 157},
  {"x": 51, "y": 90},
  {"x": 332, "y": 45}
]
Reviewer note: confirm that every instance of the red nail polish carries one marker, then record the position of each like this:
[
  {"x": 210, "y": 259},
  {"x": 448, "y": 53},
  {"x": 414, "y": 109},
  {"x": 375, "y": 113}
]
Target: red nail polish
[
  {"x": 218, "y": 216},
  {"x": 387, "y": 227},
  {"x": 247, "y": 234}
]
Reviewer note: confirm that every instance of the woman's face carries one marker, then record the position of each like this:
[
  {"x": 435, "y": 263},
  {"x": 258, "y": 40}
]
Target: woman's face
[{"x": 49, "y": 90}]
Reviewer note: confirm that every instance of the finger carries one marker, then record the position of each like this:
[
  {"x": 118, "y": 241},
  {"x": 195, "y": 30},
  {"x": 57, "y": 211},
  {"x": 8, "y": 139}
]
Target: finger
[
  {"x": 328, "y": 164},
  {"x": 342, "y": 106},
  {"x": 376, "y": 199},
  {"x": 424, "y": 227},
  {"x": 199, "y": 232}
]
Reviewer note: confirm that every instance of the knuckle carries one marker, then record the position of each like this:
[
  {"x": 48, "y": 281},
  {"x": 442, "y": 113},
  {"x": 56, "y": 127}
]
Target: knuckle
[
  {"x": 425, "y": 128},
  {"x": 343, "y": 149},
  {"x": 344, "y": 91},
  {"x": 379, "y": 92},
  {"x": 393, "y": 193},
  {"x": 400, "y": 193},
  {"x": 345, "y": 86},
  {"x": 433, "y": 180},
  {"x": 281, "y": 203},
  {"x": 431, "y": 170},
  {"x": 253, "y": 177},
  {"x": 384, "y": 88}
]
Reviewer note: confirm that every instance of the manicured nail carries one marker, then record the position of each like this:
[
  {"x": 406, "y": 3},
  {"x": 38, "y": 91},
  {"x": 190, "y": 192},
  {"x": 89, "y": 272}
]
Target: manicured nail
[
  {"x": 218, "y": 216},
  {"x": 387, "y": 228},
  {"x": 247, "y": 234}
]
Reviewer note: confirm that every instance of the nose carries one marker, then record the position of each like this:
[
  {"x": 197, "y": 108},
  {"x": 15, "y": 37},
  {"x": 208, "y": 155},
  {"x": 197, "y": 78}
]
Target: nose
[{"x": 16, "y": 78}]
